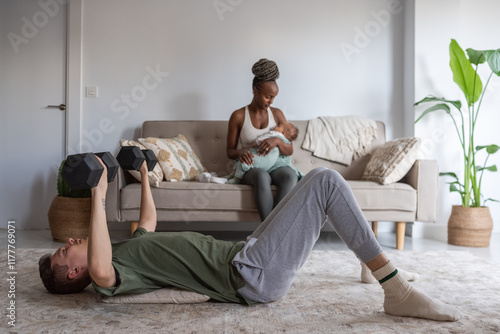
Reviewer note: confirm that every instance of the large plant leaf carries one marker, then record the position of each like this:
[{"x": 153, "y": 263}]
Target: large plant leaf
[
  {"x": 439, "y": 106},
  {"x": 491, "y": 200},
  {"x": 493, "y": 59},
  {"x": 431, "y": 98},
  {"x": 455, "y": 189},
  {"x": 464, "y": 74},
  {"x": 453, "y": 185},
  {"x": 490, "y": 168},
  {"x": 491, "y": 149},
  {"x": 449, "y": 174},
  {"x": 476, "y": 57}
]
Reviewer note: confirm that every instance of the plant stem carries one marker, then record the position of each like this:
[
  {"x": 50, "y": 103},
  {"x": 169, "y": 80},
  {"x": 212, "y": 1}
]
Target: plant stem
[
  {"x": 482, "y": 172},
  {"x": 468, "y": 175},
  {"x": 472, "y": 165},
  {"x": 482, "y": 96},
  {"x": 458, "y": 131},
  {"x": 478, "y": 189},
  {"x": 466, "y": 199},
  {"x": 475, "y": 188}
]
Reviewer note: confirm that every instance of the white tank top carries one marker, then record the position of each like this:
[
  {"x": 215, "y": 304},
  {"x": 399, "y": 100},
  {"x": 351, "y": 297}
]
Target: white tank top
[{"x": 249, "y": 133}]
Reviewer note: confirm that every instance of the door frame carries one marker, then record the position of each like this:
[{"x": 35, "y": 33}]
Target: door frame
[{"x": 74, "y": 86}]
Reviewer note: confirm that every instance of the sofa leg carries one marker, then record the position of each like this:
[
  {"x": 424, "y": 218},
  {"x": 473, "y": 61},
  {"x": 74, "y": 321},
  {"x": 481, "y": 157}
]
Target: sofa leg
[
  {"x": 374, "y": 228},
  {"x": 133, "y": 227},
  {"x": 400, "y": 235}
]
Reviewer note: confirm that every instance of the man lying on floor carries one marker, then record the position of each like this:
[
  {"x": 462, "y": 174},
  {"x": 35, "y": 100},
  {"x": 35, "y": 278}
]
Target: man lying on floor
[{"x": 260, "y": 270}]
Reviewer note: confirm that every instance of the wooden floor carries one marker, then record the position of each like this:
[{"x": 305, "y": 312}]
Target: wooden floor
[{"x": 327, "y": 240}]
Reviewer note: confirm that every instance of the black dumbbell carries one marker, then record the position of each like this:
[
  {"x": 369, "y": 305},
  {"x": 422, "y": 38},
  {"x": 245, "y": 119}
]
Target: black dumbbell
[
  {"x": 83, "y": 171},
  {"x": 132, "y": 157}
]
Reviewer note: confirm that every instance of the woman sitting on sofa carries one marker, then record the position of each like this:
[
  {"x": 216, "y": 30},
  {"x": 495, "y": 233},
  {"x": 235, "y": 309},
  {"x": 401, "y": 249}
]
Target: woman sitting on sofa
[{"x": 248, "y": 123}]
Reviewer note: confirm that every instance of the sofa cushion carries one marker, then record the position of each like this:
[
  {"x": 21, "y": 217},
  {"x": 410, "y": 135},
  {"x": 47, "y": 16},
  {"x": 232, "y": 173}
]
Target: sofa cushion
[
  {"x": 392, "y": 161},
  {"x": 199, "y": 196},
  {"x": 193, "y": 195},
  {"x": 395, "y": 196},
  {"x": 155, "y": 176},
  {"x": 176, "y": 157}
]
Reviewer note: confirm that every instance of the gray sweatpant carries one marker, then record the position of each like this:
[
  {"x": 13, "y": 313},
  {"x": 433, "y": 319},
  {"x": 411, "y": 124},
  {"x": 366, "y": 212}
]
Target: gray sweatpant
[{"x": 278, "y": 248}]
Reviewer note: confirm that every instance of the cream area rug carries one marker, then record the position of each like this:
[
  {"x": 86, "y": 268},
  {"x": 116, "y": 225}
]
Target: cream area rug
[{"x": 326, "y": 297}]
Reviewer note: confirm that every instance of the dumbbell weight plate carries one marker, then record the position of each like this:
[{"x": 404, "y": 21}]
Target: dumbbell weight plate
[
  {"x": 151, "y": 159},
  {"x": 111, "y": 164},
  {"x": 82, "y": 171},
  {"x": 130, "y": 158}
]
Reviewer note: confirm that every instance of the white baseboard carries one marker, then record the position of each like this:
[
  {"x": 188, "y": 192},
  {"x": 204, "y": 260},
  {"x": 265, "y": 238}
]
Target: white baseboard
[{"x": 429, "y": 231}]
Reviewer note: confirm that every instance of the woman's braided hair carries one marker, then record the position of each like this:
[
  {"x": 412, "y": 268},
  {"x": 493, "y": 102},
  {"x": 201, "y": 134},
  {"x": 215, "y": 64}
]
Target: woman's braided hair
[{"x": 264, "y": 70}]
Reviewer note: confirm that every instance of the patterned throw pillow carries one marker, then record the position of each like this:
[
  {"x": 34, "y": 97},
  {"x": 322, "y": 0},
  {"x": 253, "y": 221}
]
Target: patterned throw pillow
[
  {"x": 155, "y": 176},
  {"x": 392, "y": 161},
  {"x": 176, "y": 157}
]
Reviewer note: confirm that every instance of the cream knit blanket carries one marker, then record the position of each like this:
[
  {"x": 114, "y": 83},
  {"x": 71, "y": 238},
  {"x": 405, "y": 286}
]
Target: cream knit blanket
[{"x": 340, "y": 139}]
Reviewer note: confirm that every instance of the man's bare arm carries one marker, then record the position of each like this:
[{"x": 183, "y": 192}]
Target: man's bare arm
[
  {"x": 99, "y": 249},
  {"x": 147, "y": 218}
]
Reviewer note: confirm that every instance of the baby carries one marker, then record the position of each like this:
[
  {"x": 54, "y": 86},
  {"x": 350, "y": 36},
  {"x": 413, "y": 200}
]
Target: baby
[{"x": 285, "y": 131}]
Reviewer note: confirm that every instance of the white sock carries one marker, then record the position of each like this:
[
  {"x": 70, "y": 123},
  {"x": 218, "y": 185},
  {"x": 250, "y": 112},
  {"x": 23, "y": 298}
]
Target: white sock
[
  {"x": 221, "y": 180},
  {"x": 207, "y": 177},
  {"x": 401, "y": 299},
  {"x": 204, "y": 177},
  {"x": 367, "y": 276}
]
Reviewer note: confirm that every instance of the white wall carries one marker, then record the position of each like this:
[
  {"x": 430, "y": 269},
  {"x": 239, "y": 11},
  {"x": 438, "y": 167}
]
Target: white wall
[
  {"x": 474, "y": 24},
  {"x": 336, "y": 57},
  {"x": 208, "y": 54}
]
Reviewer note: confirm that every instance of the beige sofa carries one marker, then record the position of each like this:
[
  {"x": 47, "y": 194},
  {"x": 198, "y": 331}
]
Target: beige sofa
[{"x": 412, "y": 199}]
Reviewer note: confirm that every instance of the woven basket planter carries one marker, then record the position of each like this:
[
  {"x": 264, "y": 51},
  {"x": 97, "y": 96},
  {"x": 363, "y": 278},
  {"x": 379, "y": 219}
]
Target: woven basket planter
[
  {"x": 470, "y": 227},
  {"x": 69, "y": 218}
]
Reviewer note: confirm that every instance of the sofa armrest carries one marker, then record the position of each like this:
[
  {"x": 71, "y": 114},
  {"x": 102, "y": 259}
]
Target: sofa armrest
[
  {"x": 113, "y": 198},
  {"x": 423, "y": 176}
]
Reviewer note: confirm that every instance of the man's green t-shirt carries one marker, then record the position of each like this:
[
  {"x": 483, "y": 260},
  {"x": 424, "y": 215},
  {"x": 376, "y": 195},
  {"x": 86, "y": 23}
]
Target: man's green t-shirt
[{"x": 188, "y": 260}]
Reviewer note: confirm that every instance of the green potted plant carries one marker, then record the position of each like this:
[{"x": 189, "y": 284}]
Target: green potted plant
[
  {"x": 470, "y": 223},
  {"x": 69, "y": 213}
]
